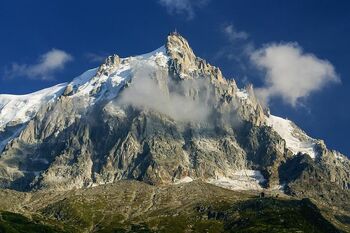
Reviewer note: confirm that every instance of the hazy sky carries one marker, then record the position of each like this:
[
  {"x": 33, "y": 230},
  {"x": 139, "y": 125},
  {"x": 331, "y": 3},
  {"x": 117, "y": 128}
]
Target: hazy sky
[{"x": 296, "y": 53}]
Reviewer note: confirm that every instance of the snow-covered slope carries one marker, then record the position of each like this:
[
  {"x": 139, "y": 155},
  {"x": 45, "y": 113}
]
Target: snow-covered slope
[
  {"x": 106, "y": 82},
  {"x": 296, "y": 139},
  {"x": 15, "y": 109}
]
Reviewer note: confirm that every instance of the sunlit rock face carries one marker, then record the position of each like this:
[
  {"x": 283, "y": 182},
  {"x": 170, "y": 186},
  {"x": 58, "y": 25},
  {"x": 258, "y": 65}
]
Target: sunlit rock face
[
  {"x": 165, "y": 117},
  {"x": 184, "y": 62}
]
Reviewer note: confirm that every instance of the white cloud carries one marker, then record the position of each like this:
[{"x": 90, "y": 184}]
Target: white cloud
[
  {"x": 291, "y": 74},
  {"x": 185, "y": 7},
  {"x": 236, "y": 50},
  {"x": 148, "y": 90},
  {"x": 238, "y": 45},
  {"x": 96, "y": 57},
  {"x": 232, "y": 34},
  {"x": 44, "y": 69}
]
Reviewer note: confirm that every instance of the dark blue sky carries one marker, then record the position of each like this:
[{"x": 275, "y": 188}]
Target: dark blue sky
[{"x": 32, "y": 28}]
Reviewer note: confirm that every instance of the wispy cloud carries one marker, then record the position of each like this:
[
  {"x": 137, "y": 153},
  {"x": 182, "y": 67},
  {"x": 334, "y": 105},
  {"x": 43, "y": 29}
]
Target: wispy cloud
[
  {"x": 183, "y": 7},
  {"x": 146, "y": 92},
  {"x": 236, "y": 49},
  {"x": 44, "y": 69},
  {"x": 238, "y": 45},
  {"x": 96, "y": 57},
  {"x": 233, "y": 34},
  {"x": 290, "y": 73}
]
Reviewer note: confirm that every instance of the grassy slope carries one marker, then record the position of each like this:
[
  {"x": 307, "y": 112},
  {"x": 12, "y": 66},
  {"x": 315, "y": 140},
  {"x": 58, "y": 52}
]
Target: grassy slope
[
  {"x": 16, "y": 223},
  {"x": 130, "y": 206}
]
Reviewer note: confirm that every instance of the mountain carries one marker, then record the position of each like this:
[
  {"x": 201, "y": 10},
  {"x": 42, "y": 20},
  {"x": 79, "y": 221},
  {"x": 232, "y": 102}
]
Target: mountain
[{"x": 162, "y": 118}]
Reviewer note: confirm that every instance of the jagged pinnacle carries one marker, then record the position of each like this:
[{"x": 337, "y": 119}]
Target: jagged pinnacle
[{"x": 185, "y": 63}]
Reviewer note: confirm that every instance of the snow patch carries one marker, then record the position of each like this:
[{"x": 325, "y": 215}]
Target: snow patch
[
  {"x": 296, "y": 140},
  {"x": 14, "y": 134},
  {"x": 115, "y": 110},
  {"x": 84, "y": 78},
  {"x": 242, "y": 94},
  {"x": 279, "y": 187},
  {"x": 240, "y": 180},
  {"x": 185, "y": 179},
  {"x": 15, "y": 109},
  {"x": 207, "y": 144}
]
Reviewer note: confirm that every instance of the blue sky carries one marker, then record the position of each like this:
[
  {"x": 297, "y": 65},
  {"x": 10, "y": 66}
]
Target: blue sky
[{"x": 43, "y": 43}]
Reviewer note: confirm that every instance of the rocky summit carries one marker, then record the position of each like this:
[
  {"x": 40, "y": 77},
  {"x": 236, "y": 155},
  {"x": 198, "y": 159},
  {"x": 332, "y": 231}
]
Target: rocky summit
[{"x": 161, "y": 120}]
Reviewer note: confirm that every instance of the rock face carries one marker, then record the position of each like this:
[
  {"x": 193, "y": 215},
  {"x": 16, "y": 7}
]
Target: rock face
[{"x": 163, "y": 117}]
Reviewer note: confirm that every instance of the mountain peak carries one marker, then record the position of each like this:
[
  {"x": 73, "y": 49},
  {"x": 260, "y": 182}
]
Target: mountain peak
[
  {"x": 185, "y": 64},
  {"x": 177, "y": 45},
  {"x": 110, "y": 62}
]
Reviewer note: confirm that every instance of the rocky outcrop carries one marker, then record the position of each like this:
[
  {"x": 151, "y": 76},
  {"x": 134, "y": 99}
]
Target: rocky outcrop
[
  {"x": 337, "y": 164},
  {"x": 111, "y": 64}
]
